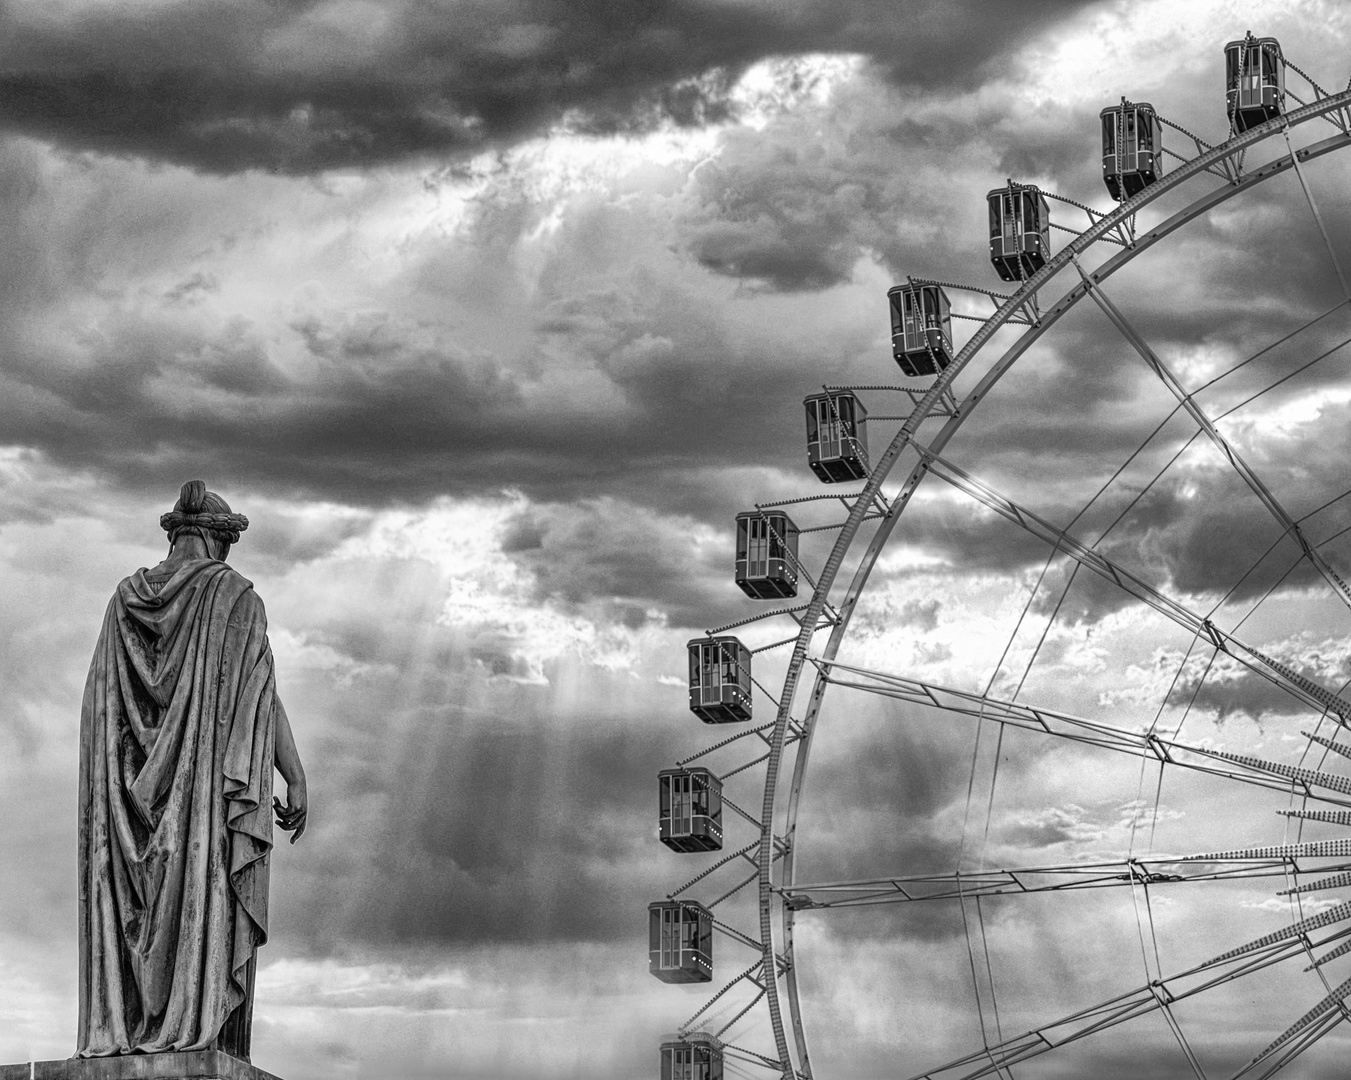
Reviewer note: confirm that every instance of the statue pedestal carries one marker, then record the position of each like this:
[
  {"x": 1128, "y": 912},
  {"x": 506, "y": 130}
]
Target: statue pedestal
[{"x": 196, "y": 1065}]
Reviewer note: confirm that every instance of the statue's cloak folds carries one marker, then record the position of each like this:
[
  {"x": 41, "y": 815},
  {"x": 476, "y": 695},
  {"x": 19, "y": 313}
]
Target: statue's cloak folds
[{"x": 176, "y": 757}]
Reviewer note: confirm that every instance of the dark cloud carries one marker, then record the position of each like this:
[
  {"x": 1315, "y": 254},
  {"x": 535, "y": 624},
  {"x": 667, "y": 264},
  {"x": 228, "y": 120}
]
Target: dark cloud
[
  {"x": 388, "y": 405},
  {"x": 391, "y": 411},
  {"x": 795, "y": 206},
  {"x": 902, "y": 179},
  {"x": 304, "y": 87},
  {"x": 1229, "y": 689},
  {"x": 786, "y": 218},
  {"x": 638, "y": 565}
]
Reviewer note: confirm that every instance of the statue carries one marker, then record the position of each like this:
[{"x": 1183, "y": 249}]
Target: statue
[{"x": 179, "y": 732}]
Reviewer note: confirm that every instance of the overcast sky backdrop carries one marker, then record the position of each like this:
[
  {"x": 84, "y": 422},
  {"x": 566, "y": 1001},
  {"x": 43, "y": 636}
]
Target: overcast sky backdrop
[{"x": 490, "y": 316}]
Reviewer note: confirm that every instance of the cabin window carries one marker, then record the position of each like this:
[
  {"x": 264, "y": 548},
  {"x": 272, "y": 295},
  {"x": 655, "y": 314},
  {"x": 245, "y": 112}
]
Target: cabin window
[
  {"x": 1011, "y": 224},
  {"x": 710, "y": 664},
  {"x": 830, "y": 429},
  {"x": 843, "y": 407},
  {"x": 757, "y": 548},
  {"x": 913, "y": 322},
  {"x": 670, "y": 937},
  {"x": 698, "y": 796},
  {"x": 729, "y": 666},
  {"x": 681, "y": 805},
  {"x": 1252, "y": 75}
]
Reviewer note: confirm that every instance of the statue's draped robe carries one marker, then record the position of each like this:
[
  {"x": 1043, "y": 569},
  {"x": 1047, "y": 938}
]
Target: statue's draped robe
[{"x": 176, "y": 758}]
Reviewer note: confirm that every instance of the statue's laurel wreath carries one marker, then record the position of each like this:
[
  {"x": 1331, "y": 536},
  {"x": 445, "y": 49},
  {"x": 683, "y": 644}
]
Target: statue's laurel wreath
[{"x": 226, "y": 526}]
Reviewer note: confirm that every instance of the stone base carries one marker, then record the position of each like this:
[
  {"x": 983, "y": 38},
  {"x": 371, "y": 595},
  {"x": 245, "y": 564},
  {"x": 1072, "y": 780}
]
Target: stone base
[{"x": 196, "y": 1065}]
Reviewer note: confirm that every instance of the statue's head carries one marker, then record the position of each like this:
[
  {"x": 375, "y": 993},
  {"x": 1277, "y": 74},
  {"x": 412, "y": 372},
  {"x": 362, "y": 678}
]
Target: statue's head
[{"x": 207, "y": 515}]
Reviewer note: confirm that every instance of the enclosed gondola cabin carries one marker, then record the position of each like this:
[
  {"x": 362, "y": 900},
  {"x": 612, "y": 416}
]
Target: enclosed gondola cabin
[
  {"x": 766, "y": 554},
  {"x": 1254, "y": 81},
  {"x": 689, "y": 806},
  {"x": 680, "y": 941},
  {"x": 1132, "y": 148},
  {"x": 696, "y": 1055},
  {"x": 921, "y": 328},
  {"x": 720, "y": 680},
  {"x": 837, "y": 437},
  {"x": 1020, "y": 231}
]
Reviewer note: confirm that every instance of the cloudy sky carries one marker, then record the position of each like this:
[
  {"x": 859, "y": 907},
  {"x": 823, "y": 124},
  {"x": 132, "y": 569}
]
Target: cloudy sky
[{"x": 490, "y": 316}]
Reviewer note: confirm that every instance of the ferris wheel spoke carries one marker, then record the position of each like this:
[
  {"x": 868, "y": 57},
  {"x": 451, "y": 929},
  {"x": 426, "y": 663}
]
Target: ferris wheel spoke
[
  {"x": 1250, "y": 770},
  {"x": 1284, "y": 944},
  {"x": 1301, "y": 687},
  {"x": 1064, "y": 877},
  {"x": 1313, "y": 207},
  {"x": 1188, "y": 402},
  {"x": 1302, "y": 1034}
]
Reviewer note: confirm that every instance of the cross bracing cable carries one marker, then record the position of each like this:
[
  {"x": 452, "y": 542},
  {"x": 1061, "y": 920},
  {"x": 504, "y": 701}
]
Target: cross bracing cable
[
  {"x": 1178, "y": 407},
  {"x": 1167, "y": 465},
  {"x": 1160, "y": 872},
  {"x": 749, "y": 1006},
  {"x": 1245, "y": 472},
  {"x": 1078, "y": 729},
  {"x": 708, "y": 870},
  {"x": 1313, "y": 207},
  {"x": 1144, "y": 490},
  {"x": 1264, "y": 665},
  {"x": 688, "y": 1024},
  {"x": 1256, "y": 956}
]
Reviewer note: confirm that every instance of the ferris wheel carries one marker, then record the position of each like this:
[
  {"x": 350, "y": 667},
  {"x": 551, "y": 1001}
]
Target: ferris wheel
[{"x": 753, "y": 884}]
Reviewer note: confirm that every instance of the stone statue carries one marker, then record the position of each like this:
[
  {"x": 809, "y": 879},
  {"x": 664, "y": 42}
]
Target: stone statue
[{"x": 179, "y": 732}]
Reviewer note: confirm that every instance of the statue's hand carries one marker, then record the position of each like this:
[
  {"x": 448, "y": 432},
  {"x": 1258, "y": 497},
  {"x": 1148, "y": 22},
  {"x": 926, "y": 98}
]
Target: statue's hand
[{"x": 291, "y": 817}]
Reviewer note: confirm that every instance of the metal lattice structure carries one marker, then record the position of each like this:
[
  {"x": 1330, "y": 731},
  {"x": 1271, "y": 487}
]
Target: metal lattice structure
[{"x": 769, "y": 986}]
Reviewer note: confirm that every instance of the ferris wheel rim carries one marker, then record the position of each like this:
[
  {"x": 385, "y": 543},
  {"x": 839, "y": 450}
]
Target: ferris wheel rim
[{"x": 799, "y": 1065}]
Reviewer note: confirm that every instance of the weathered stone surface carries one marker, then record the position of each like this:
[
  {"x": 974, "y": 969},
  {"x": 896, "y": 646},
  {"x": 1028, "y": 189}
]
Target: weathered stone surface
[
  {"x": 180, "y": 730},
  {"x": 198, "y": 1065}
]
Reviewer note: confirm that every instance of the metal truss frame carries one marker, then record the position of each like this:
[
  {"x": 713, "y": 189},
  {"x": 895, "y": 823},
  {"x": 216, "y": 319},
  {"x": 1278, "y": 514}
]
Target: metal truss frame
[{"x": 779, "y": 896}]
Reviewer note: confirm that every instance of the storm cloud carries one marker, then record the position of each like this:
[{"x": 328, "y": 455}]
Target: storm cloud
[{"x": 323, "y": 85}]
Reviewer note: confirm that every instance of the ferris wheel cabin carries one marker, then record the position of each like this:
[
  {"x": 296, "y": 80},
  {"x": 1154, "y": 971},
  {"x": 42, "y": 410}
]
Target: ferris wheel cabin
[
  {"x": 680, "y": 941},
  {"x": 696, "y": 1055},
  {"x": 1020, "y": 231},
  {"x": 1132, "y": 148},
  {"x": 1254, "y": 72},
  {"x": 720, "y": 680},
  {"x": 766, "y": 554},
  {"x": 690, "y": 809},
  {"x": 921, "y": 328},
  {"x": 837, "y": 438}
]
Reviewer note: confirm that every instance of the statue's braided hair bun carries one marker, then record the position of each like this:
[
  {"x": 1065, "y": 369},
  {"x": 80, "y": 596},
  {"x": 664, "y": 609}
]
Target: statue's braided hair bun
[
  {"x": 192, "y": 499},
  {"x": 202, "y": 509}
]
